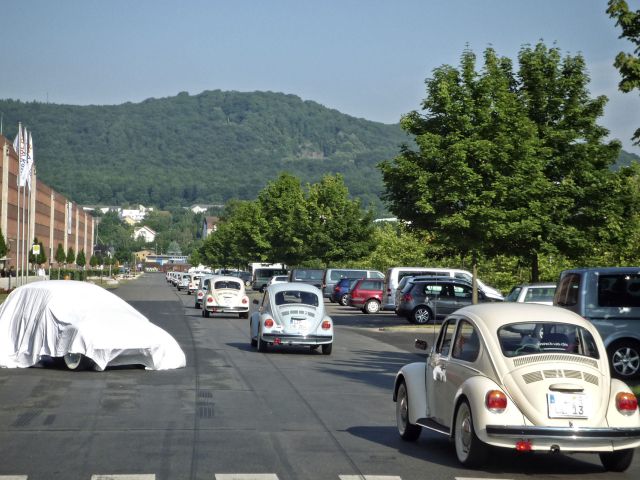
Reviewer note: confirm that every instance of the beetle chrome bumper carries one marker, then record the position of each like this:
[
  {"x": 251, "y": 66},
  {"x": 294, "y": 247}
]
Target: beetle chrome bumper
[
  {"x": 568, "y": 433},
  {"x": 291, "y": 339}
]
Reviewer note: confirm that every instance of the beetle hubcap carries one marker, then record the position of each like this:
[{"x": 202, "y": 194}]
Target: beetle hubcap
[
  {"x": 626, "y": 361},
  {"x": 465, "y": 433}
]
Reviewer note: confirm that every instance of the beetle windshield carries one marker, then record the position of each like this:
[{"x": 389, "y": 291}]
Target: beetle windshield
[
  {"x": 296, "y": 296},
  {"x": 517, "y": 339}
]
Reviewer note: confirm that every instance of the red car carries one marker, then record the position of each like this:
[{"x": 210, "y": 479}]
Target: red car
[{"x": 366, "y": 294}]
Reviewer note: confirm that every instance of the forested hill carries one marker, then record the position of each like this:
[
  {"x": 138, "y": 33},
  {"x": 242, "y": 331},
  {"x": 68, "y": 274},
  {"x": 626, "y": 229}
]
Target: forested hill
[{"x": 204, "y": 148}]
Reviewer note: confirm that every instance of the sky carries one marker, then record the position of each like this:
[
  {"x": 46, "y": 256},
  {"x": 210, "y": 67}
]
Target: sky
[{"x": 365, "y": 58}]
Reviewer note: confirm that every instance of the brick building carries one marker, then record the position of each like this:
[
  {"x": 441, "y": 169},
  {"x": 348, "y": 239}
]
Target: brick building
[{"x": 54, "y": 218}]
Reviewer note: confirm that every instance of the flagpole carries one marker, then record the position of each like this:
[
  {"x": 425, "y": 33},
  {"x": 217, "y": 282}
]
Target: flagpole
[
  {"x": 24, "y": 233},
  {"x": 18, "y": 239}
]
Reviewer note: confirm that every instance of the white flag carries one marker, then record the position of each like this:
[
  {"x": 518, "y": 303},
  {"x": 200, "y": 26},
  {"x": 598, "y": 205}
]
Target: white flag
[
  {"x": 29, "y": 164},
  {"x": 20, "y": 146}
]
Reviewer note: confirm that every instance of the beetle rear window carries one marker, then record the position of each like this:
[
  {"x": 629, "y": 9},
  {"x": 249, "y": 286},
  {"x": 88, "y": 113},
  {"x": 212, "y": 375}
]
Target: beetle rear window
[
  {"x": 296, "y": 296},
  {"x": 227, "y": 284},
  {"x": 517, "y": 339}
]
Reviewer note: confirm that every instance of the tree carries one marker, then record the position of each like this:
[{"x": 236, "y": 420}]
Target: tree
[
  {"x": 81, "y": 259},
  {"x": 283, "y": 206},
  {"x": 95, "y": 261},
  {"x": 628, "y": 64},
  {"x": 339, "y": 230},
  {"x": 60, "y": 257},
  {"x": 39, "y": 258},
  {"x": 506, "y": 163},
  {"x": 71, "y": 256},
  {"x": 3, "y": 245}
]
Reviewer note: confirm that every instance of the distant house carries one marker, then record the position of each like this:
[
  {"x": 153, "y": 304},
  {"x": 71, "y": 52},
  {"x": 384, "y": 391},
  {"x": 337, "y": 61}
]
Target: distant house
[
  {"x": 201, "y": 208},
  {"x": 209, "y": 225},
  {"x": 147, "y": 233},
  {"x": 135, "y": 214}
]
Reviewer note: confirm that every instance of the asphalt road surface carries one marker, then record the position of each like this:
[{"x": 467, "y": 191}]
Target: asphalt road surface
[{"x": 234, "y": 413}]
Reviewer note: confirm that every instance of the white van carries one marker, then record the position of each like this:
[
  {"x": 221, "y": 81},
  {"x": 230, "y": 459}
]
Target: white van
[{"x": 395, "y": 274}]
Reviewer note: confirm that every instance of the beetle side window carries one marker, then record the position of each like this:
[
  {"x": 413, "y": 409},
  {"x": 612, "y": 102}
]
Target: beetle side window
[
  {"x": 446, "y": 335},
  {"x": 467, "y": 344}
]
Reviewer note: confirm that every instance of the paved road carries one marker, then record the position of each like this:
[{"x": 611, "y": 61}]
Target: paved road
[{"x": 236, "y": 413}]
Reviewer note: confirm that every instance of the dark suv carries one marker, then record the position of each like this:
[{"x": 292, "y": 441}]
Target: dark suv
[{"x": 432, "y": 298}]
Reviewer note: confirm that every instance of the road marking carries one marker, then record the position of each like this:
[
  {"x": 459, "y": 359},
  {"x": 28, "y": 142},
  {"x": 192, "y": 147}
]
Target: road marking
[
  {"x": 13, "y": 477},
  {"x": 246, "y": 476},
  {"x": 369, "y": 477},
  {"x": 147, "y": 476}
]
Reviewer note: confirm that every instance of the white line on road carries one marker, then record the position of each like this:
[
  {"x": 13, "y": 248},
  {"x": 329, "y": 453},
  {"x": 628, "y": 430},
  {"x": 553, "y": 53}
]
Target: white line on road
[
  {"x": 148, "y": 476},
  {"x": 246, "y": 476},
  {"x": 369, "y": 477}
]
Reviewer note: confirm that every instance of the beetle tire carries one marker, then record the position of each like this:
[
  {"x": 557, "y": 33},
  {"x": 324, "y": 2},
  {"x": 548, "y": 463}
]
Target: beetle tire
[
  {"x": 470, "y": 450},
  {"x": 617, "y": 461},
  {"x": 262, "y": 345},
  {"x": 326, "y": 348},
  {"x": 408, "y": 431}
]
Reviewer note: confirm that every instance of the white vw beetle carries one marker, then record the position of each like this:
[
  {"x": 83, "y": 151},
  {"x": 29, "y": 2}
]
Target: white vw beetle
[
  {"x": 225, "y": 294},
  {"x": 521, "y": 376},
  {"x": 291, "y": 314}
]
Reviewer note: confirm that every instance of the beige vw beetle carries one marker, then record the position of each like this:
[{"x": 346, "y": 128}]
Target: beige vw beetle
[{"x": 521, "y": 376}]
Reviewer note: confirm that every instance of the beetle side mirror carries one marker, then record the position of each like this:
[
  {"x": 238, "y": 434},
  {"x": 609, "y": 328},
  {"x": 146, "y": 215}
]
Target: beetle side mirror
[
  {"x": 256, "y": 301},
  {"x": 421, "y": 344}
]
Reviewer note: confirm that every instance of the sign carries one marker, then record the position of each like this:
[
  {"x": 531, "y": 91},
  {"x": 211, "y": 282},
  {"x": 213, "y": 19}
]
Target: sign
[{"x": 35, "y": 249}]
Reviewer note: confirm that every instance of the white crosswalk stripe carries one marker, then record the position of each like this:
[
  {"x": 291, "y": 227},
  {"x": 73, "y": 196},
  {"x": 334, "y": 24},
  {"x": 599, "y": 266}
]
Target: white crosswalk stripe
[
  {"x": 148, "y": 476},
  {"x": 13, "y": 477},
  {"x": 246, "y": 476},
  {"x": 369, "y": 477}
]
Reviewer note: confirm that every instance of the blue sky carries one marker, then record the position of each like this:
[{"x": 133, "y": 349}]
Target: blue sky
[{"x": 366, "y": 58}]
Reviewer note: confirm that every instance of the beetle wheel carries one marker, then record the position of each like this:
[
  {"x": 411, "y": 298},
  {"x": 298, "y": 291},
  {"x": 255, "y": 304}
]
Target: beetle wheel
[
  {"x": 408, "y": 431},
  {"x": 617, "y": 461},
  {"x": 262, "y": 345},
  {"x": 326, "y": 348},
  {"x": 471, "y": 451}
]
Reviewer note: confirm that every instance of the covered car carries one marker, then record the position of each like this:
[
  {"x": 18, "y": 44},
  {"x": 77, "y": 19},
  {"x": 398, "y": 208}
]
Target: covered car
[
  {"x": 291, "y": 314},
  {"x": 85, "y": 325},
  {"x": 525, "y": 377}
]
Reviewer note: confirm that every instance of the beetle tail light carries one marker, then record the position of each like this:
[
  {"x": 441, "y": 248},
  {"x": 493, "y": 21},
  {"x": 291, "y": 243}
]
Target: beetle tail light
[
  {"x": 209, "y": 299},
  {"x": 326, "y": 324},
  {"x": 496, "y": 401},
  {"x": 626, "y": 403},
  {"x": 245, "y": 300},
  {"x": 268, "y": 323}
]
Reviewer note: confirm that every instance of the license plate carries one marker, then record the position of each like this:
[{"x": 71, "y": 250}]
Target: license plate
[
  {"x": 565, "y": 405},
  {"x": 298, "y": 323}
]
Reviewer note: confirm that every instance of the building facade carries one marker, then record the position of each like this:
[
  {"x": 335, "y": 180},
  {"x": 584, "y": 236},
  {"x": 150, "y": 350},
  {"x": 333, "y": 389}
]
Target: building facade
[{"x": 40, "y": 213}]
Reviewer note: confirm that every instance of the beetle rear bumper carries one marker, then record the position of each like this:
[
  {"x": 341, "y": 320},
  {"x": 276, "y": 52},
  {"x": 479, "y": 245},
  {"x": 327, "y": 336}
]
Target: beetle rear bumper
[
  {"x": 552, "y": 433},
  {"x": 290, "y": 339}
]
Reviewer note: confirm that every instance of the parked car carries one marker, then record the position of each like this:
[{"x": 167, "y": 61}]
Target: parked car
[
  {"x": 82, "y": 324},
  {"x": 226, "y": 294},
  {"x": 341, "y": 290},
  {"x": 524, "y": 377},
  {"x": 312, "y": 276},
  {"x": 244, "y": 276},
  {"x": 183, "y": 281},
  {"x": 532, "y": 293},
  {"x": 291, "y": 314},
  {"x": 610, "y": 299},
  {"x": 333, "y": 275},
  {"x": 366, "y": 295},
  {"x": 394, "y": 276},
  {"x": 433, "y": 298},
  {"x": 203, "y": 286},
  {"x": 278, "y": 279},
  {"x": 194, "y": 281}
]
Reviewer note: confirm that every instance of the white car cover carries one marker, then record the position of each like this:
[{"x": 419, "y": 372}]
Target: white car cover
[{"x": 53, "y": 318}]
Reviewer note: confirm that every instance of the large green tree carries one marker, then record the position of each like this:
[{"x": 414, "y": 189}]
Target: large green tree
[
  {"x": 627, "y": 63},
  {"x": 339, "y": 229},
  {"x": 508, "y": 163}
]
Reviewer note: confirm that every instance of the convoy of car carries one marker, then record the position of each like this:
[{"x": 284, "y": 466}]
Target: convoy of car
[{"x": 520, "y": 376}]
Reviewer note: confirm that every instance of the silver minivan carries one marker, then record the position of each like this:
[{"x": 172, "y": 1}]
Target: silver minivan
[
  {"x": 334, "y": 275},
  {"x": 609, "y": 297}
]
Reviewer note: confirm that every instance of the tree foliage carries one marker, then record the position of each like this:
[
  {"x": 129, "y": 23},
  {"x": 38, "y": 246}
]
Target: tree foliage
[
  {"x": 627, "y": 63},
  {"x": 510, "y": 163}
]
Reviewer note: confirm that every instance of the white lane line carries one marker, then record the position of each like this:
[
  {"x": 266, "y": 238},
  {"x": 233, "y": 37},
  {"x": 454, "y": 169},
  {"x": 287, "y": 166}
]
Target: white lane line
[
  {"x": 13, "y": 477},
  {"x": 144, "y": 476},
  {"x": 478, "y": 478},
  {"x": 246, "y": 476},
  {"x": 369, "y": 477}
]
